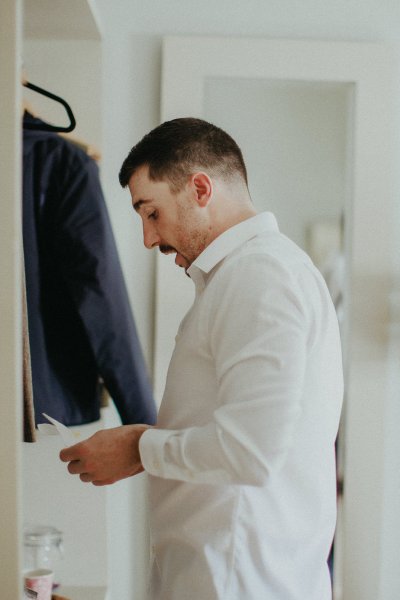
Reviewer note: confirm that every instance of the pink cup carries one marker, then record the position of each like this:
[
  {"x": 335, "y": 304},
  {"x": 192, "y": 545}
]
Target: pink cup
[{"x": 40, "y": 581}]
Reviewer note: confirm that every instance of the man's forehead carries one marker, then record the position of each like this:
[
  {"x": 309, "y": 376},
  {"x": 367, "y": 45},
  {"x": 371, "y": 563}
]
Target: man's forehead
[
  {"x": 144, "y": 189},
  {"x": 138, "y": 177},
  {"x": 138, "y": 188}
]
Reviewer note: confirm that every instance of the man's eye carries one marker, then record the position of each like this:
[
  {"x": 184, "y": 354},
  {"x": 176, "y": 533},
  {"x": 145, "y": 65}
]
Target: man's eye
[{"x": 153, "y": 215}]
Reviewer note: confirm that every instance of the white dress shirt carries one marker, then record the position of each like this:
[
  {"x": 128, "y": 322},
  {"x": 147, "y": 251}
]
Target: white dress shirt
[{"x": 242, "y": 464}]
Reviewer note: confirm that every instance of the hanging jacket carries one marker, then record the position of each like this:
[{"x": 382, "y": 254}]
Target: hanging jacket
[{"x": 81, "y": 326}]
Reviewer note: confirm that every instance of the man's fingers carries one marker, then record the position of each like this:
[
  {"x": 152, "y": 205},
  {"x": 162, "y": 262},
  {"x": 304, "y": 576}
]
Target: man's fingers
[
  {"x": 107, "y": 456},
  {"x": 71, "y": 453},
  {"x": 75, "y": 467}
]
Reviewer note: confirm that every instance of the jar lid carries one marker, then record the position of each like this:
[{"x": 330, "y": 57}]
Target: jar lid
[{"x": 37, "y": 535}]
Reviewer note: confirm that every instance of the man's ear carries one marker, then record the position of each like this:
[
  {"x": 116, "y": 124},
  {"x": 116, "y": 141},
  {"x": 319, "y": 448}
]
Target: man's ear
[{"x": 203, "y": 188}]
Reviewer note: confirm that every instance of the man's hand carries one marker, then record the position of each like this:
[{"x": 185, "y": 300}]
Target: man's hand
[{"x": 107, "y": 456}]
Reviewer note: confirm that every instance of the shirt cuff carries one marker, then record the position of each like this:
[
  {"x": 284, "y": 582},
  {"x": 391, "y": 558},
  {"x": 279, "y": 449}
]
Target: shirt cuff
[{"x": 151, "y": 446}]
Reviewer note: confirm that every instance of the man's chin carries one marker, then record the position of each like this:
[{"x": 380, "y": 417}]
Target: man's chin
[
  {"x": 186, "y": 268},
  {"x": 181, "y": 261}
]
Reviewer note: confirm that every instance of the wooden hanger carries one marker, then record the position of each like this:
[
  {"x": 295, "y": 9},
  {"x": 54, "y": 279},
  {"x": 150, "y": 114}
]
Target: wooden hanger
[{"x": 90, "y": 149}]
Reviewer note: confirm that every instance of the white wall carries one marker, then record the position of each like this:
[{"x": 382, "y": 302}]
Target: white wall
[
  {"x": 52, "y": 497},
  {"x": 53, "y": 64},
  {"x": 133, "y": 33},
  {"x": 293, "y": 138},
  {"x": 131, "y": 89},
  {"x": 132, "y": 61}
]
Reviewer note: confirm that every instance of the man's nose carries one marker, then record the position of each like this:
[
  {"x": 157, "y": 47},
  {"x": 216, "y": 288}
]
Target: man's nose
[{"x": 151, "y": 239}]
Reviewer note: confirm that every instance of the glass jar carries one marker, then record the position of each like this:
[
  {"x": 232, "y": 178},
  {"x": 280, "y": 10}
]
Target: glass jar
[{"x": 43, "y": 549}]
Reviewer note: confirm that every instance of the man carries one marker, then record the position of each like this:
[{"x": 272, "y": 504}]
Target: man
[{"x": 242, "y": 462}]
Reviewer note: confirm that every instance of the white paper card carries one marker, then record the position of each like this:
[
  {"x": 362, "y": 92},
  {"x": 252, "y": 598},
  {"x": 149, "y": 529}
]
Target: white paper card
[{"x": 66, "y": 434}]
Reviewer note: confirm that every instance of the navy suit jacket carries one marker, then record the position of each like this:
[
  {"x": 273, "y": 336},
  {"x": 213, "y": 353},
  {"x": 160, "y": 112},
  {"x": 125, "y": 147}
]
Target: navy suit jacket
[{"x": 81, "y": 326}]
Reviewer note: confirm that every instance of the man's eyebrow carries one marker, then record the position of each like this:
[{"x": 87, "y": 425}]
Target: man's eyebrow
[{"x": 138, "y": 204}]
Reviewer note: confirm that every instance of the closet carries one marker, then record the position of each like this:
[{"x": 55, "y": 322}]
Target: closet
[{"x": 58, "y": 44}]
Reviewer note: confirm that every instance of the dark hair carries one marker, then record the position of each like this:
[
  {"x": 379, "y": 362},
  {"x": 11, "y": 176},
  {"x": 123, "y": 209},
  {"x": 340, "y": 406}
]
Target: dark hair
[{"x": 179, "y": 147}]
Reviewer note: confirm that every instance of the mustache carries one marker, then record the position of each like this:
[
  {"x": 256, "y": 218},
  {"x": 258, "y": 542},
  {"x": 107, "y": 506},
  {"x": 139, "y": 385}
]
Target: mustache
[{"x": 166, "y": 249}]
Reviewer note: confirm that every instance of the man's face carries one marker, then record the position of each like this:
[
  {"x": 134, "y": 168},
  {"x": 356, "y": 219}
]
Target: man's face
[{"x": 172, "y": 221}]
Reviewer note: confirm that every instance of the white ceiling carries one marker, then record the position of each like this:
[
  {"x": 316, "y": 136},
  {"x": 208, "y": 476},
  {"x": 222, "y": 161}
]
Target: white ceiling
[{"x": 358, "y": 20}]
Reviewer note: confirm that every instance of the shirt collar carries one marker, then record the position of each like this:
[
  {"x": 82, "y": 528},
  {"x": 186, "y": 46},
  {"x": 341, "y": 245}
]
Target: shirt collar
[{"x": 231, "y": 239}]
